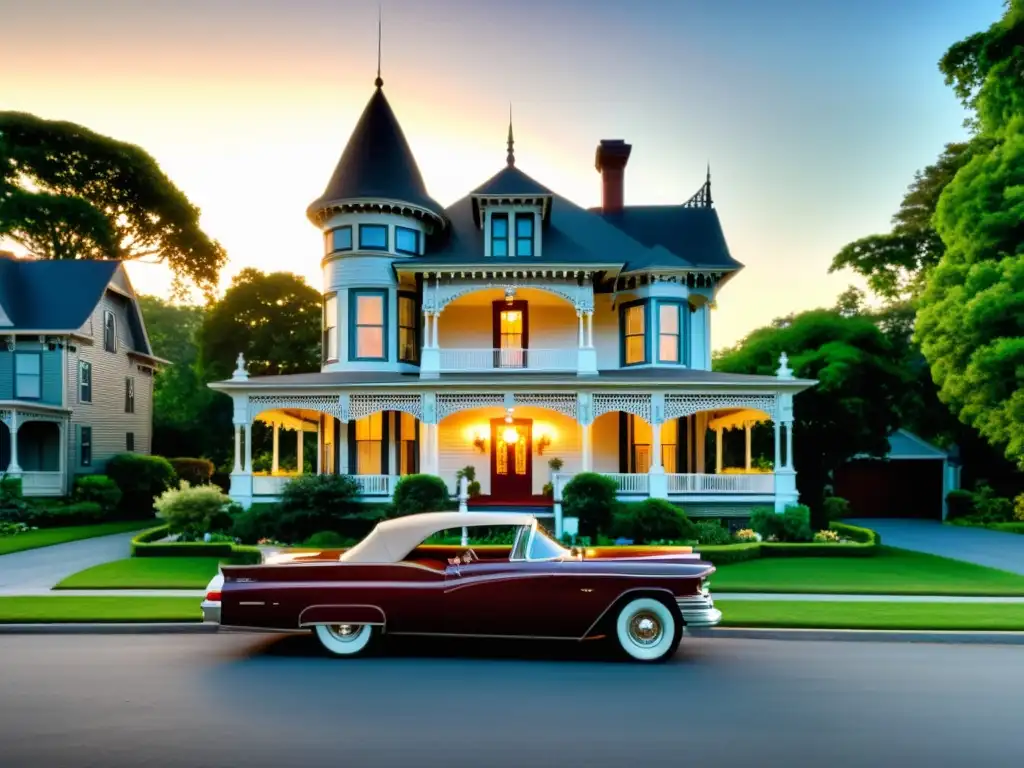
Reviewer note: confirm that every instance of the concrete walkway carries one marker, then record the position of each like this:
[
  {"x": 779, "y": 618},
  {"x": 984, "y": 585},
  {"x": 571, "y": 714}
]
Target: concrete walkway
[
  {"x": 973, "y": 545},
  {"x": 44, "y": 567}
]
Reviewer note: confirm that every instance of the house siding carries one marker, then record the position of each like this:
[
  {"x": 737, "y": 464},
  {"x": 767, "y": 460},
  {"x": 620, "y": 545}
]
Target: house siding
[{"x": 106, "y": 413}]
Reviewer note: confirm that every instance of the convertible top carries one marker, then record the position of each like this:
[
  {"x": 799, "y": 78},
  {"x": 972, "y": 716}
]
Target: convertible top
[{"x": 391, "y": 540}]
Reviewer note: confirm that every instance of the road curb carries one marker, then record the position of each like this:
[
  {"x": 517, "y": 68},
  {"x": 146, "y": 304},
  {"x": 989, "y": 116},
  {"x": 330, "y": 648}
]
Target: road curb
[
  {"x": 140, "y": 628},
  {"x": 863, "y": 635}
]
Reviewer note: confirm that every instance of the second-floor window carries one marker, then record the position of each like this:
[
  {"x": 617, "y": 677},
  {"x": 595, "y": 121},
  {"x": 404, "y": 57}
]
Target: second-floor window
[
  {"x": 329, "y": 351},
  {"x": 338, "y": 239},
  {"x": 408, "y": 344},
  {"x": 109, "y": 331},
  {"x": 373, "y": 237},
  {"x": 129, "y": 395},
  {"x": 28, "y": 375},
  {"x": 84, "y": 381},
  {"x": 407, "y": 240},
  {"x": 367, "y": 310},
  {"x": 634, "y": 334},
  {"x": 524, "y": 234},
  {"x": 499, "y": 234},
  {"x": 670, "y": 323}
]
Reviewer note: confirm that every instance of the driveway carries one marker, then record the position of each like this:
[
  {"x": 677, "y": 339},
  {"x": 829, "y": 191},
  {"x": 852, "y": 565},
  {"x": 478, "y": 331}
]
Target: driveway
[
  {"x": 42, "y": 568},
  {"x": 974, "y": 545}
]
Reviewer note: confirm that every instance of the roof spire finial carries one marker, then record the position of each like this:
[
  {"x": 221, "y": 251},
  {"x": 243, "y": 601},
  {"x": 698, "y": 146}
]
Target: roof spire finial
[
  {"x": 510, "y": 159},
  {"x": 378, "y": 82}
]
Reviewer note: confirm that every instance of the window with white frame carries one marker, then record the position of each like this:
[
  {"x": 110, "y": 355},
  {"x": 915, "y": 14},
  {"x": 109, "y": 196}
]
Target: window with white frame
[
  {"x": 84, "y": 381},
  {"x": 28, "y": 375}
]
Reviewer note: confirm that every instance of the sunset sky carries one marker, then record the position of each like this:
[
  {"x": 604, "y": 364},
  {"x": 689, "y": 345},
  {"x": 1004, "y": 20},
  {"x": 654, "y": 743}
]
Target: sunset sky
[{"x": 814, "y": 114}]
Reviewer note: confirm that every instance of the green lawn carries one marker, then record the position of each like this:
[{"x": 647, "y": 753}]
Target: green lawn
[
  {"x": 821, "y": 615},
  {"x": 44, "y": 610},
  {"x": 146, "y": 573},
  {"x": 891, "y": 572},
  {"x": 49, "y": 536}
]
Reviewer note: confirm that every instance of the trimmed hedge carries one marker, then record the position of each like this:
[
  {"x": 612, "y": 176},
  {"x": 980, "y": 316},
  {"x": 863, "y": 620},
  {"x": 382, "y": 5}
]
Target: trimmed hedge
[
  {"x": 193, "y": 471},
  {"x": 865, "y": 544},
  {"x": 146, "y": 544}
]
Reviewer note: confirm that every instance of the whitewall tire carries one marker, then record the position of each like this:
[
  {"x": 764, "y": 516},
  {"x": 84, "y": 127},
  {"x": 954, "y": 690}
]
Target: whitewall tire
[
  {"x": 648, "y": 630},
  {"x": 344, "y": 639}
]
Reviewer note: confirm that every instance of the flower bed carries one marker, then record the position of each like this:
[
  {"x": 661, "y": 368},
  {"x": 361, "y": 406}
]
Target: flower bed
[{"x": 852, "y": 541}]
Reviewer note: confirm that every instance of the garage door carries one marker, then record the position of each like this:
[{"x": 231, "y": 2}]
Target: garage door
[{"x": 900, "y": 488}]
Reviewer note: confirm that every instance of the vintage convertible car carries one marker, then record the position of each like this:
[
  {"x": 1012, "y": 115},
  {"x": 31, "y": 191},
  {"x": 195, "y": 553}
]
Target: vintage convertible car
[{"x": 392, "y": 583}]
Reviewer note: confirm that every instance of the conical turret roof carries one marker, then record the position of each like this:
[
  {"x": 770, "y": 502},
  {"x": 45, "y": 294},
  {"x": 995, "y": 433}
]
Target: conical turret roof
[{"x": 377, "y": 163}]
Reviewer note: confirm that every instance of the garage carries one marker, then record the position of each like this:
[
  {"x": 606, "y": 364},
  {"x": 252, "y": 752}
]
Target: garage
[{"x": 911, "y": 481}]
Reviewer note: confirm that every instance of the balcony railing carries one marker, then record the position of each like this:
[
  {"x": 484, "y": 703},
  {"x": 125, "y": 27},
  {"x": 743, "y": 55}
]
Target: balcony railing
[
  {"x": 531, "y": 360},
  {"x": 731, "y": 483},
  {"x": 630, "y": 483}
]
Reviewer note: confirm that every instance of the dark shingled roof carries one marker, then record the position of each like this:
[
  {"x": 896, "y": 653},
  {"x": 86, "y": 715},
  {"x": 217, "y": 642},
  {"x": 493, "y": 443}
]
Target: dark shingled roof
[
  {"x": 512, "y": 182},
  {"x": 42, "y": 295},
  {"x": 691, "y": 233},
  {"x": 377, "y": 163}
]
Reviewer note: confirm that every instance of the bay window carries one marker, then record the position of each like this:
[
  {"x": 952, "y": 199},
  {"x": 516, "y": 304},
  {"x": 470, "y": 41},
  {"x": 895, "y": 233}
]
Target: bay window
[
  {"x": 28, "y": 375},
  {"x": 634, "y": 333},
  {"x": 329, "y": 350},
  {"x": 670, "y": 336},
  {"x": 367, "y": 313},
  {"x": 408, "y": 343}
]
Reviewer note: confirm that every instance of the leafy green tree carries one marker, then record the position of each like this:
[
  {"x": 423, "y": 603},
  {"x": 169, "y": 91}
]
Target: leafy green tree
[
  {"x": 273, "y": 319},
  {"x": 970, "y": 322},
  {"x": 67, "y": 192},
  {"x": 855, "y": 405}
]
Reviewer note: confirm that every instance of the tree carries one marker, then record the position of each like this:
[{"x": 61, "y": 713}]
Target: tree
[
  {"x": 273, "y": 319},
  {"x": 855, "y": 405},
  {"x": 69, "y": 193},
  {"x": 970, "y": 321}
]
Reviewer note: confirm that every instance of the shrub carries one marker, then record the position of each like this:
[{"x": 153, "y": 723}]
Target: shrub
[
  {"x": 195, "y": 510},
  {"x": 731, "y": 553},
  {"x": 472, "y": 485},
  {"x": 260, "y": 521},
  {"x": 312, "y": 503},
  {"x": 835, "y": 508},
  {"x": 419, "y": 493},
  {"x": 141, "y": 479},
  {"x": 989, "y": 508},
  {"x": 193, "y": 471},
  {"x": 1018, "y": 508},
  {"x": 712, "y": 532},
  {"x": 100, "y": 489},
  {"x": 10, "y": 487},
  {"x": 959, "y": 503},
  {"x": 653, "y": 520},
  {"x": 13, "y": 529},
  {"x": 747, "y": 534},
  {"x": 591, "y": 498},
  {"x": 327, "y": 540},
  {"x": 796, "y": 523},
  {"x": 58, "y": 515},
  {"x": 767, "y": 522},
  {"x": 826, "y": 537}
]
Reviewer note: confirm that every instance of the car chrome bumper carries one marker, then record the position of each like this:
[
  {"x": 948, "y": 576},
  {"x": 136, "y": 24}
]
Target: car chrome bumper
[
  {"x": 699, "y": 610},
  {"x": 211, "y": 612}
]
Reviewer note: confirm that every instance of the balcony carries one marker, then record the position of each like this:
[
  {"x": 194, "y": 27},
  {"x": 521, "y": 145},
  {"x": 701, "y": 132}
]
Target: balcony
[{"x": 509, "y": 360}]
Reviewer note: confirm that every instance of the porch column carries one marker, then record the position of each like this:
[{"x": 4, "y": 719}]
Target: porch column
[
  {"x": 299, "y": 458},
  {"x": 746, "y": 429},
  {"x": 248, "y": 447},
  {"x": 718, "y": 451},
  {"x": 580, "y": 335},
  {"x": 319, "y": 446},
  {"x": 275, "y": 456},
  {"x": 238, "y": 450},
  {"x": 590, "y": 329},
  {"x": 778, "y": 446},
  {"x": 657, "y": 480},
  {"x": 13, "y": 468},
  {"x": 62, "y": 432},
  {"x": 789, "y": 444},
  {"x": 437, "y": 330}
]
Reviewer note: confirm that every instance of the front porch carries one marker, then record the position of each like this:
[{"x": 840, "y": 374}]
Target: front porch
[
  {"x": 675, "y": 445},
  {"x": 33, "y": 447}
]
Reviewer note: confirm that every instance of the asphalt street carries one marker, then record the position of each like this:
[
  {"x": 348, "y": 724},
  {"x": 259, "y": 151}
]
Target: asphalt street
[{"x": 256, "y": 700}]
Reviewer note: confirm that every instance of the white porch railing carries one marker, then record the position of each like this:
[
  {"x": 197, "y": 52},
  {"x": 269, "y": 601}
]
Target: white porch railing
[
  {"x": 631, "y": 483},
  {"x": 532, "y": 360},
  {"x": 376, "y": 485},
  {"x": 730, "y": 483},
  {"x": 42, "y": 483},
  {"x": 270, "y": 485}
]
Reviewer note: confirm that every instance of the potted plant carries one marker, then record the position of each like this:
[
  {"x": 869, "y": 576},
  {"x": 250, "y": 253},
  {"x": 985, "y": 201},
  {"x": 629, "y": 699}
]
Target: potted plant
[
  {"x": 555, "y": 465},
  {"x": 473, "y": 486}
]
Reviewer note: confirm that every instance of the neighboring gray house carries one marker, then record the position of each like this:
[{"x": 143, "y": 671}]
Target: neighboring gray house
[{"x": 76, "y": 371}]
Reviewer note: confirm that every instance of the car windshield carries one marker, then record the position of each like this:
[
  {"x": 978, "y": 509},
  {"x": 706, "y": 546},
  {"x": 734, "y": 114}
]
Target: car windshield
[
  {"x": 519, "y": 547},
  {"x": 543, "y": 547}
]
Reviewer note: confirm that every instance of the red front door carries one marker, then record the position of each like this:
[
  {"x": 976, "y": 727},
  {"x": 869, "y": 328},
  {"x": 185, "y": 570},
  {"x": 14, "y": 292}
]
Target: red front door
[{"x": 511, "y": 459}]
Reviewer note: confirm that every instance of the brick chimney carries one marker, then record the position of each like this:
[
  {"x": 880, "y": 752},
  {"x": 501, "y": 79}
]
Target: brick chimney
[{"x": 610, "y": 160}]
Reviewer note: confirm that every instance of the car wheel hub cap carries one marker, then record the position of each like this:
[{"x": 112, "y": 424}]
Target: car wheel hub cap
[
  {"x": 645, "y": 629},
  {"x": 345, "y": 632}
]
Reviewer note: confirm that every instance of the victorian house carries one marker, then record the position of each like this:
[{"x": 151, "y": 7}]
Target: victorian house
[{"x": 511, "y": 328}]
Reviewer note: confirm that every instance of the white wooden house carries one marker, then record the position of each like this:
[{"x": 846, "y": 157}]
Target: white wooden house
[{"x": 513, "y": 327}]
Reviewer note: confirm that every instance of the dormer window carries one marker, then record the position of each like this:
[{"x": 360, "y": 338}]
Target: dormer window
[
  {"x": 524, "y": 234},
  {"x": 499, "y": 234},
  {"x": 373, "y": 237},
  {"x": 407, "y": 241}
]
